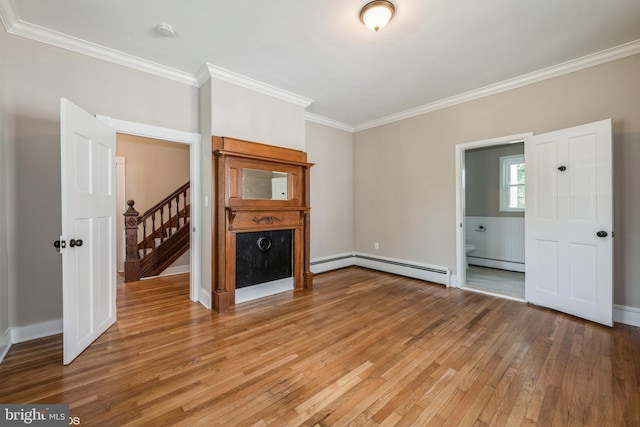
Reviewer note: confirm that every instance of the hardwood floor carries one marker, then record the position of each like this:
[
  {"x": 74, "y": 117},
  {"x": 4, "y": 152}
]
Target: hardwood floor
[{"x": 362, "y": 348}]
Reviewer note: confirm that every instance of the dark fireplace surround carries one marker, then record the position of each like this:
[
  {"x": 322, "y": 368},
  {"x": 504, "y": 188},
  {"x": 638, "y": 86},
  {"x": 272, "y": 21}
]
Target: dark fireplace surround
[
  {"x": 238, "y": 215},
  {"x": 263, "y": 256}
]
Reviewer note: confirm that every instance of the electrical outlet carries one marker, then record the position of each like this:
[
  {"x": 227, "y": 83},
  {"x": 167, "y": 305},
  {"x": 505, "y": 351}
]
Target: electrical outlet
[{"x": 376, "y": 245}]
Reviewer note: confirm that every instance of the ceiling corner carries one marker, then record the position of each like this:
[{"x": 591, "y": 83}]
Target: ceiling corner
[
  {"x": 8, "y": 15},
  {"x": 315, "y": 118},
  {"x": 255, "y": 85}
]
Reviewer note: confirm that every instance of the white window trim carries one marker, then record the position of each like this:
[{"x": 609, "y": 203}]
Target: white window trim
[{"x": 505, "y": 163}]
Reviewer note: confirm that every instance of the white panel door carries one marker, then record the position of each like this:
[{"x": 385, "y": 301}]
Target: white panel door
[
  {"x": 569, "y": 221},
  {"x": 88, "y": 215}
]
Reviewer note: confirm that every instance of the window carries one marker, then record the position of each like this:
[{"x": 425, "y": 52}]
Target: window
[{"x": 512, "y": 183}]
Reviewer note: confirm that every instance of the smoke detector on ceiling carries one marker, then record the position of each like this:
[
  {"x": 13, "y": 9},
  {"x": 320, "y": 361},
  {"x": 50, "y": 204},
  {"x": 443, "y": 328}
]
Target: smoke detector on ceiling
[{"x": 165, "y": 30}]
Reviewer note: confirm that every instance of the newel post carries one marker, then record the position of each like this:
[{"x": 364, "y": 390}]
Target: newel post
[{"x": 132, "y": 260}]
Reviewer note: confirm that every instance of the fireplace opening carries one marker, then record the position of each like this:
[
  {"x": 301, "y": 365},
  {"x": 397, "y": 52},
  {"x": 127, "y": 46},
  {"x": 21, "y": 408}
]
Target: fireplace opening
[{"x": 263, "y": 256}]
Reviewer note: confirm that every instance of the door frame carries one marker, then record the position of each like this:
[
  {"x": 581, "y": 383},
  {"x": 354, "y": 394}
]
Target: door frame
[
  {"x": 195, "y": 170},
  {"x": 461, "y": 274},
  {"x": 121, "y": 204}
]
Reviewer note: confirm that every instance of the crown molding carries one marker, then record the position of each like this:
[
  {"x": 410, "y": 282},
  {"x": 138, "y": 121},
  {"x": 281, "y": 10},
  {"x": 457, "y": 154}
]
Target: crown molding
[
  {"x": 587, "y": 61},
  {"x": 310, "y": 117},
  {"x": 212, "y": 71},
  {"x": 15, "y": 26}
]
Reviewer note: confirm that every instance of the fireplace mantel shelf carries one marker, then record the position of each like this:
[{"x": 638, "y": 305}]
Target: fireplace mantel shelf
[
  {"x": 271, "y": 208},
  {"x": 245, "y": 218}
]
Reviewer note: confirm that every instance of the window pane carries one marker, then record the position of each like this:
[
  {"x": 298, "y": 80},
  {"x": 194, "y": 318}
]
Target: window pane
[
  {"x": 520, "y": 173},
  {"x": 516, "y": 173},
  {"x": 520, "y": 197},
  {"x": 512, "y": 182},
  {"x": 513, "y": 197}
]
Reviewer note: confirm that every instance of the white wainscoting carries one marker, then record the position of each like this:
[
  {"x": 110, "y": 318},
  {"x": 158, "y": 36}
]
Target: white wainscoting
[{"x": 499, "y": 242}]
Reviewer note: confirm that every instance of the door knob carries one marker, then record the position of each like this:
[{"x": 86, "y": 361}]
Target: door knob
[
  {"x": 58, "y": 244},
  {"x": 602, "y": 234},
  {"x": 562, "y": 168},
  {"x": 74, "y": 242}
]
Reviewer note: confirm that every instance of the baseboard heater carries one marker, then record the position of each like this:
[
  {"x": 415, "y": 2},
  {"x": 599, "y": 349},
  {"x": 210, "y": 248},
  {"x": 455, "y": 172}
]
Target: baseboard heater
[{"x": 420, "y": 271}]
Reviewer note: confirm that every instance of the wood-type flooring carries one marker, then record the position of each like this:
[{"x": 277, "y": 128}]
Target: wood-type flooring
[{"x": 363, "y": 348}]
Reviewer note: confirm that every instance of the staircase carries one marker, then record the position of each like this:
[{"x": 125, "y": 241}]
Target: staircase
[{"x": 158, "y": 237}]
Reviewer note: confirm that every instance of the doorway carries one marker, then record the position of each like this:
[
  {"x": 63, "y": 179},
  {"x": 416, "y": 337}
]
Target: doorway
[
  {"x": 147, "y": 171},
  {"x": 193, "y": 141},
  {"x": 490, "y": 216}
]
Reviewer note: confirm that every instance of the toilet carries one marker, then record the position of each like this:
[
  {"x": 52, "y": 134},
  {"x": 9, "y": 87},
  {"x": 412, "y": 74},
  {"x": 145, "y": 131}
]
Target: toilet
[{"x": 469, "y": 248}]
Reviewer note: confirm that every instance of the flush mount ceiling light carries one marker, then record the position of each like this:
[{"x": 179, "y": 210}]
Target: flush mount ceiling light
[
  {"x": 377, "y": 14},
  {"x": 165, "y": 30}
]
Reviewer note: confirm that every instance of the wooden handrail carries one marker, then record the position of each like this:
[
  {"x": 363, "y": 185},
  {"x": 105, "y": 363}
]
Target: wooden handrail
[{"x": 160, "y": 204}]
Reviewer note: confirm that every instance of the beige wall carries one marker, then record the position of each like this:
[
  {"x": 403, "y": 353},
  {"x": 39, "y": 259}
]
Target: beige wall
[
  {"x": 4, "y": 277},
  {"x": 153, "y": 168},
  {"x": 482, "y": 180},
  {"x": 331, "y": 190},
  {"x": 404, "y": 172},
  {"x": 39, "y": 76}
]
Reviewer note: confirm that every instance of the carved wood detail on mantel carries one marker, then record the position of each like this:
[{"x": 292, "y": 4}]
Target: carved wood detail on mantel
[{"x": 233, "y": 213}]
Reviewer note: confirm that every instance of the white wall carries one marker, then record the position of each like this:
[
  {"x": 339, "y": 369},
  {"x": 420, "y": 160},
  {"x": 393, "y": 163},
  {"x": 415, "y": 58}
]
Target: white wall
[
  {"x": 204, "y": 113},
  {"x": 241, "y": 113},
  {"x": 331, "y": 190},
  {"x": 39, "y": 76},
  {"x": 404, "y": 173}
]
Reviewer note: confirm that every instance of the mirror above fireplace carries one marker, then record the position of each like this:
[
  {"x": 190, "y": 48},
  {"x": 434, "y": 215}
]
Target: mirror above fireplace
[{"x": 261, "y": 184}]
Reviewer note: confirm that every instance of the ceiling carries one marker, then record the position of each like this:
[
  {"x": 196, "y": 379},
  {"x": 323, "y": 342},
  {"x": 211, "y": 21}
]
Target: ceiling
[{"x": 431, "y": 51}]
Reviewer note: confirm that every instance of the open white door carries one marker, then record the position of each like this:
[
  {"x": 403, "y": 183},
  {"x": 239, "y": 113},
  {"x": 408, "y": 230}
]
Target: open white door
[
  {"x": 88, "y": 212},
  {"x": 569, "y": 221}
]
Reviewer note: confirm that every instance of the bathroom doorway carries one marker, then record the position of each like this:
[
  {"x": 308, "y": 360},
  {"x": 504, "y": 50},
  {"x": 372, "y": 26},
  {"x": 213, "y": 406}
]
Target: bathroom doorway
[{"x": 491, "y": 217}]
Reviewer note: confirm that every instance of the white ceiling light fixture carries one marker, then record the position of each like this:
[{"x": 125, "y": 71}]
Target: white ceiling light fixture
[
  {"x": 377, "y": 14},
  {"x": 165, "y": 30}
]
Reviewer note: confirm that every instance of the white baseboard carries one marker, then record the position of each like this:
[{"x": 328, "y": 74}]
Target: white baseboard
[
  {"x": 205, "y": 298},
  {"x": 627, "y": 315},
  {"x": 334, "y": 262},
  {"x": 453, "y": 281},
  {"x": 38, "y": 330},
  {"x": 171, "y": 271},
  {"x": 5, "y": 344},
  {"x": 416, "y": 270},
  {"x": 494, "y": 263}
]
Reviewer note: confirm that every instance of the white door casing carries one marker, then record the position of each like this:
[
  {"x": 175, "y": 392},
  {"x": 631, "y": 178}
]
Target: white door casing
[
  {"x": 121, "y": 206},
  {"x": 88, "y": 213},
  {"x": 569, "y": 200},
  {"x": 460, "y": 279}
]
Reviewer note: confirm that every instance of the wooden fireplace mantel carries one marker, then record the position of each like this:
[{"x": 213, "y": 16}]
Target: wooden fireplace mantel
[{"x": 233, "y": 213}]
